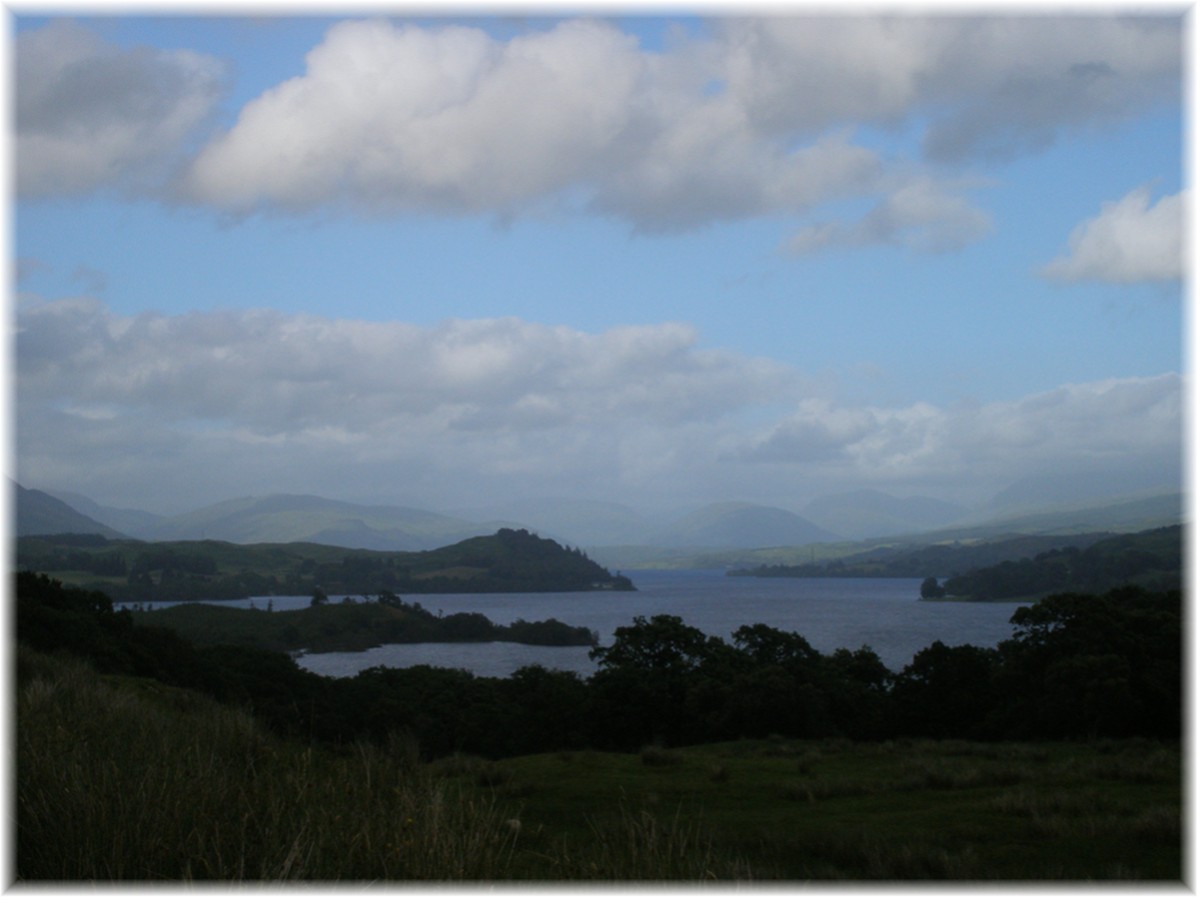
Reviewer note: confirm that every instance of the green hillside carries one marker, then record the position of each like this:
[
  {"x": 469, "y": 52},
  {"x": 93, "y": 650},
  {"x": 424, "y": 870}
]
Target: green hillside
[
  {"x": 129, "y": 570},
  {"x": 1151, "y": 559},
  {"x": 1024, "y": 566}
]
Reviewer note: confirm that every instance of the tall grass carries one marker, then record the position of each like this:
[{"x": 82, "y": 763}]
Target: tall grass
[
  {"x": 639, "y": 846},
  {"x": 118, "y": 784},
  {"x": 133, "y": 781}
]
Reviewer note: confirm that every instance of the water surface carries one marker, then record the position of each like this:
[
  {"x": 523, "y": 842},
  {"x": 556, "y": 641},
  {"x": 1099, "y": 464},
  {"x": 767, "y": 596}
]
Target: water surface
[{"x": 882, "y": 613}]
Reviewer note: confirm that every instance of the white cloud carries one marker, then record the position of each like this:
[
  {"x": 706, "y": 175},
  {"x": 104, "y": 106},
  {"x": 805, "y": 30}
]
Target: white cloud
[
  {"x": 391, "y": 118},
  {"x": 471, "y": 398},
  {"x": 256, "y": 402},
  {"x": 89, "y": 114},
  {"x": 1130, "y": 240},
  {"x": 309, "y": 371},
  {"x": 750, "y": 120}
]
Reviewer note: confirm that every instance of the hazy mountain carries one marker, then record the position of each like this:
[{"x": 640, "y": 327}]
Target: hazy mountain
[
  {"x": 40, "y": 513},
  {"x": 134, "y": 522},
  {"x": 289, "y": 517},
  {"x": 740, "y": 525},
  {"x": 1123, "y": 515},
  {"x": 1089, "y": 487},
  {"x": 869, "y": 513},
  {"x": 581, "y": 523}
]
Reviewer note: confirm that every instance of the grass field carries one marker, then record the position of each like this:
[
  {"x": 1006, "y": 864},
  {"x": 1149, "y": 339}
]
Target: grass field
[
  {"x": 123, "y": 779},
  {"x": 846, "y": 811}
]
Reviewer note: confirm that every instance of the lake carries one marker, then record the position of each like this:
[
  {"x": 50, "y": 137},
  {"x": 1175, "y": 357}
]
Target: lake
[{"x": 882, "y": 613}]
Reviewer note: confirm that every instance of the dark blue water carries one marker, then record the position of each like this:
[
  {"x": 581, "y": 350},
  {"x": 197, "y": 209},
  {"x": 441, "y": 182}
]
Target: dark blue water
[{"x": 882, "y": 613}]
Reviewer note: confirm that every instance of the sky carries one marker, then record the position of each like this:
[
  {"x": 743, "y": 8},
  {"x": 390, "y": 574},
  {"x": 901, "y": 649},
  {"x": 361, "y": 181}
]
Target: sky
[{"x": 449, "y": 261}]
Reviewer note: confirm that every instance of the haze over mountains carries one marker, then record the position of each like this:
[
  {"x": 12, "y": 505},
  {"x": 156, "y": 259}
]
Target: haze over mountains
[{"x": 592, "y": 525}]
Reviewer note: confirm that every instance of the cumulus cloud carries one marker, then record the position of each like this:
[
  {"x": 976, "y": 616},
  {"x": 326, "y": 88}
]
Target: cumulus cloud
[
  {"x": 393, "y": 118},
  {"x": 89, "y": 114},
  {"x": 1130, "y": 240},
  {"x": 749, "y": 119},
  {"x": 259, "y": 401}
]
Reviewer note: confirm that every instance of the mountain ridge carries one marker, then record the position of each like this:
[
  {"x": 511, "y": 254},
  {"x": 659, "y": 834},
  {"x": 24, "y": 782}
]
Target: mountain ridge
[
  {"x": 870, "y": 513},
  {"x": 729, "y": 533}
]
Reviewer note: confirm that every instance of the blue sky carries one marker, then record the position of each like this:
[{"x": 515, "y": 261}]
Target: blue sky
[{"x": 647, "y": 260}]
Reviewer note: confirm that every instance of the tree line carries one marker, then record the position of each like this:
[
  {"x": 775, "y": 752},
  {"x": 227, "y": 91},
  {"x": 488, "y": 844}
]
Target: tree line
[
  {"x": 1077, "y": 666},
  {"x": 351, "y": 624}
]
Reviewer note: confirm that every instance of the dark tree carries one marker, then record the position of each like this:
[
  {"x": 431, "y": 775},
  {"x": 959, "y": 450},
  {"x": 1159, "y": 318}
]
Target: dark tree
[{"x": 946, "y": 692}]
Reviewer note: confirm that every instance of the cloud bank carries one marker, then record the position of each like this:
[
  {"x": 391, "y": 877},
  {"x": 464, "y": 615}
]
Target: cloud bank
[{"x": 259, "y": 401}]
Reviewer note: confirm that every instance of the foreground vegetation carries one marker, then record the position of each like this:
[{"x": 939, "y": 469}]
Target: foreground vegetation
[
  {"x": 143, "y": 756},
  {"x": 122, "y": 779},
  {"x": 140, "y": 571}
]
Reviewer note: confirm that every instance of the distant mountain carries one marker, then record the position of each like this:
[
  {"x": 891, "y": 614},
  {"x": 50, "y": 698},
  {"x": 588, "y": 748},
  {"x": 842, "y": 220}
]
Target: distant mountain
[
  {"x": 1083, "y": 489},
  {"x": 740, "y": 526},
  {"x": 134, "y": 522},
  {"x": 40, "y": 513},
  {"x": 1123, "y": 515},
  {"x": 869, "y": 513},
  {"x": 581, "y": 523},
  {"x": 282, "y": 518}
]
